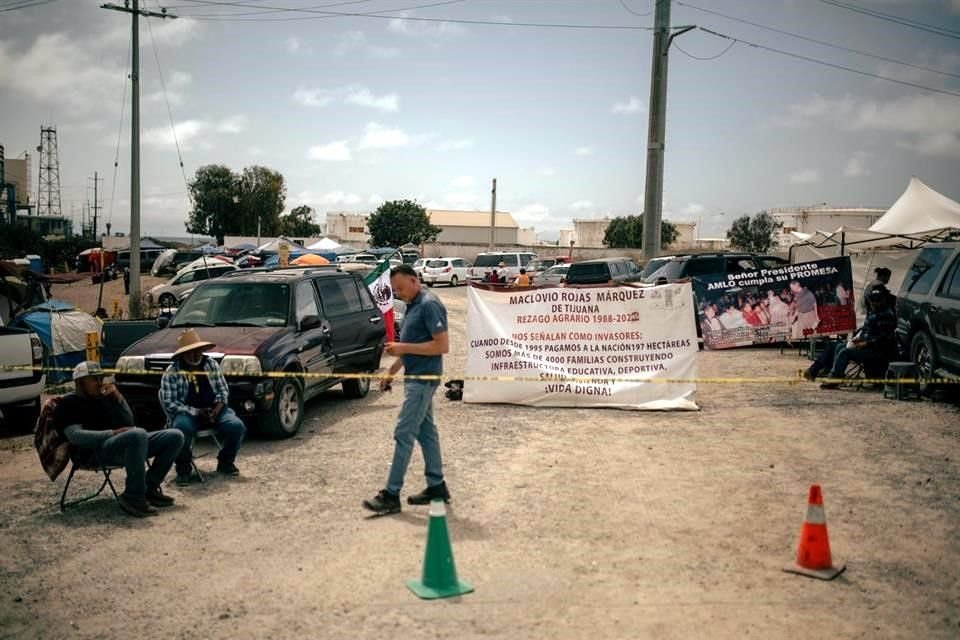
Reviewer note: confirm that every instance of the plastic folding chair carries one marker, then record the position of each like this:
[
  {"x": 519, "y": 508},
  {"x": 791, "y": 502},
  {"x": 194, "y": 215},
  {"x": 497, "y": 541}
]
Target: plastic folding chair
[{"x": 203, "y": 433}]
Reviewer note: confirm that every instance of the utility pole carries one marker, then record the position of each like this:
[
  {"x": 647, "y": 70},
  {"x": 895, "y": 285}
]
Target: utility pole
[
  {"x": 493, "y": 215},
  {"x": 656, "y": 131},
  {"x": 96, "y": 204},
  {"x": 135, "y": 12}
]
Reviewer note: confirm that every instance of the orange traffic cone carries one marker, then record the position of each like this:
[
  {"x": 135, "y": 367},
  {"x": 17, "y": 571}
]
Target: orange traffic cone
[{"x": 813, "y": 552}]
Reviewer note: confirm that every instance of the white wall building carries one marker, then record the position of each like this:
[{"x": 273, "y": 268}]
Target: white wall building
[
  {"x": 348, "y": 228},
  {"x": 589, "y": 233},
  {"x": 821, "y": 218}
]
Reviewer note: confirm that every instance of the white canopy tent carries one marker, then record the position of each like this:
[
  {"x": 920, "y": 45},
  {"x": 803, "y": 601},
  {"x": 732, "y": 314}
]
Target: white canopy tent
[
  {"x": 274, "y": 246},
  {"x": 919, "y": 211},
  {"x": 326, "y": 244}
]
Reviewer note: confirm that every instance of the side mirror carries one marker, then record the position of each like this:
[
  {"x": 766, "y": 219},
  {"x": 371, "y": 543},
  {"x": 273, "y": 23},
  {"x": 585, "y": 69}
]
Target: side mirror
[
  {"x": 309, "y": 322},
  {"x": 163, "y": 321}
]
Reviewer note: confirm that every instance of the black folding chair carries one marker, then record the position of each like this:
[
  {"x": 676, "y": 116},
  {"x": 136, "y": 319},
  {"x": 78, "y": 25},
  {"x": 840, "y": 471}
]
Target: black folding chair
[{"x": 92, "y": 464}]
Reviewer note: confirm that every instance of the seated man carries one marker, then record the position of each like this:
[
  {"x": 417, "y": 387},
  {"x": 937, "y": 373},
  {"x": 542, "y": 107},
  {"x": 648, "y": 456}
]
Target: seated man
[
  {"x": 96, "y": 419},
  {"x": 194, "y": 394},
  {"x": 873, "y": 346}
]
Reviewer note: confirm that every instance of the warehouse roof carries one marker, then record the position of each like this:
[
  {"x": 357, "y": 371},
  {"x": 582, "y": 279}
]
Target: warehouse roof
[{"x": 442, "y": 218}]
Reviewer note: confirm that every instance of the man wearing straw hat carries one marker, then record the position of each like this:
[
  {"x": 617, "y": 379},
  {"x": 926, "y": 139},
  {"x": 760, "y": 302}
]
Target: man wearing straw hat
[{"x": 194, "y": 394}]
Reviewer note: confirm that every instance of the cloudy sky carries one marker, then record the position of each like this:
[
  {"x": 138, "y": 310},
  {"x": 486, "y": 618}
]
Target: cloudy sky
[{"x": 357, "y": 109}]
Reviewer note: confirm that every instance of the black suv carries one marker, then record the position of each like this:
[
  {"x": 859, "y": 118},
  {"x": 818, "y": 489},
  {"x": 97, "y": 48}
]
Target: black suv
[
  {"x": 264, "y": 323},
  {"x": 706, "y": 264},
  {"x": 602, "y": 271},
  {"x": 928, "y": 311}
]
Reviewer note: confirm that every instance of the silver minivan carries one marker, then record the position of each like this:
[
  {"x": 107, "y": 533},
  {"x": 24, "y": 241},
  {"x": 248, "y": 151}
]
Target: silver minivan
[{"x": 167, "y": 295}]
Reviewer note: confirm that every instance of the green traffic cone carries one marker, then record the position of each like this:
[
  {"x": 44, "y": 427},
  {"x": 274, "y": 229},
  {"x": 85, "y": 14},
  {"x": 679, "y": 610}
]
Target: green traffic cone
[{"x": 439, "y": 579}]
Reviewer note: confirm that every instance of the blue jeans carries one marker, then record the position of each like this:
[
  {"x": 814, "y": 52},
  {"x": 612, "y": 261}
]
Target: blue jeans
[
  {"x": 415, "y": 424},
  {"x": 228, "y": 427},
  {"x": 873, "y": 361},
  {"x": 131, "y": 448}
]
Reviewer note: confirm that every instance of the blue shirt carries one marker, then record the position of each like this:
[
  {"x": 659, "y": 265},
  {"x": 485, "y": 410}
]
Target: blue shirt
[{"x": 425, "y": 316}]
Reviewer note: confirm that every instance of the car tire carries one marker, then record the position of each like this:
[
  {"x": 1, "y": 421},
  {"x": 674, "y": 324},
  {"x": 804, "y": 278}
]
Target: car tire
[
  {"x": 356, "y": 388},
  {"x": 430, "y": 284},
  {"x": 167, "y": 300},
  {"x": 22, "y": 418},
  {"x": 286, "y": 414},
  {"x": 454, "y": 281},
  {"x": 923, "y": 354}
]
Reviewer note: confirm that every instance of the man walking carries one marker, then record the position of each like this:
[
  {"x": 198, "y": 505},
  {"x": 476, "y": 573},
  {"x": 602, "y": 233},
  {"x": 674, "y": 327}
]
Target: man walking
[
  {"x": 194, "y": 394},
  {"x": 423, "y": 341},
  {"x": 99, "y": 425}
]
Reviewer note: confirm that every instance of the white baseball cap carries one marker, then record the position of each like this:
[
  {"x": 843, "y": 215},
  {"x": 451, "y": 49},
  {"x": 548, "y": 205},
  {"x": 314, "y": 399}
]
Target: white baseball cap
[{"x": 88, "y": 369}]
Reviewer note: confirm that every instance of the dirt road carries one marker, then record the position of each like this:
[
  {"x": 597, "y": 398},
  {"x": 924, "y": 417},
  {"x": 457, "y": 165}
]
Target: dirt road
[{"x": 571, "y": 524}]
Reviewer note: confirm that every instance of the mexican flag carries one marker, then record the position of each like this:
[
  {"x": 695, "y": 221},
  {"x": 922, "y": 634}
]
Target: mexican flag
[{"x": 379, "y": 284}]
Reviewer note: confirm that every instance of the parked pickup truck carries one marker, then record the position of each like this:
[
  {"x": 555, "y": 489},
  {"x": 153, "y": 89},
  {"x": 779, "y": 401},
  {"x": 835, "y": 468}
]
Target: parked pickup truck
[
  {"x": 270, "y": 327},
  {"x": 21, "y": 379}
]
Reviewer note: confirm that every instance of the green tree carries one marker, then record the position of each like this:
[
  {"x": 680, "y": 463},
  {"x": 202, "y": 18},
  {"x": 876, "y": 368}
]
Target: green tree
[
  {"x": 755, "y": 235},
  {"x": 213, "y": 191},
  {"x": 398, "y": 222},
  {"x": 299, "y": 223},
  {"x": 626, "y": 232},
  {"x": 263, "y": 194}
]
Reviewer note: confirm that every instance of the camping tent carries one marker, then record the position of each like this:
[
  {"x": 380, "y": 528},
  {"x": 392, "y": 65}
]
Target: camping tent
[
  {"x": 326, "y": 244},
  {"x": 62, "y": 330},
  {"x": 311, "y": 259},
  {"x": 920, "y": 211}
]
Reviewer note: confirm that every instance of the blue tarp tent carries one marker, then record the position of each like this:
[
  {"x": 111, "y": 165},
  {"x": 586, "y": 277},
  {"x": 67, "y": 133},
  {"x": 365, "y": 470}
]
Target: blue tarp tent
[{"x": 62, "y": 329}]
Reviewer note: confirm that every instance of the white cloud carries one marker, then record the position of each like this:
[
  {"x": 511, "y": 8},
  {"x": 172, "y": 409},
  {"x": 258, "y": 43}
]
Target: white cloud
[
  {"x": 424, "y": 30},
  {"x": 461, "y": 199},
  {"x": 455, "y": 145},
  {"x": 339, "y": 198},
  {"x": 464, "y": 182},
  {"x": 254, "y": 151},
  {"x": 546, "y": 171},
  {"x": 375, "y": 200},
  {"x": 856, "y": 166},
  {"x": 187, "y": 132},
  {"x": 233, "y": 124},
  {"x": 581, "y": 205},
  {"x": 805, "y": 176},
  {"x": 632, "y": 105},
  {"x": 363, "y": 97},
  {"x": 297, "y": 46},
  {"x": 312, "y": 97},
  {"x": 333, "y": 152},
  {"x": 694, "y": 209},
  {"x": 353, "y": 41},
  {"x": 378, "y": 136},
  {"x": 532, "y": 213},
  {"x": 583, "y": 151}
]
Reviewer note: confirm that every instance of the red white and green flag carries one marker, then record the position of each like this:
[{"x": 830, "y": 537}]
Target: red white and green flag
[{"x": 378, "y": 281}]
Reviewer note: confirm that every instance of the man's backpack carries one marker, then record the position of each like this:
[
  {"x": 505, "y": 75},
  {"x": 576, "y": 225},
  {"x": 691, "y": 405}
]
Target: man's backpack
[{"x": 52, "y": 446}]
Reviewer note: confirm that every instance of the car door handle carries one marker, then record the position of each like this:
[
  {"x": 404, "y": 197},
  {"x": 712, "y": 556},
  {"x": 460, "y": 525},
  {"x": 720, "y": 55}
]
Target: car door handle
[{"x": 375, "y": 320}]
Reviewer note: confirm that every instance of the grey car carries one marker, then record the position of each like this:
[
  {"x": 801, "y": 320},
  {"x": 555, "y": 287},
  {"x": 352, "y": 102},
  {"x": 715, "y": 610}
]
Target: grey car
[
  {"x": 553, "y": 276},
  {"x": 169, "y": 294}
]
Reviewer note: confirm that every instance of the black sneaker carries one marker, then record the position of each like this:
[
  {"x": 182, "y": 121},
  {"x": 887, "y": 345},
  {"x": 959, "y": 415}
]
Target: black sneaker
[
  {"x": 139, "y": 508},
  {"x": 429, "y": 494},
  {"x": 809, "y": 375},
  {"x": 186, "y": 479},
  {"x": 156, "y": 498},
  {"x": 384, "y": 503},
  {"x": 227, "y": 469},
  {"x": 829, "y": 385}
]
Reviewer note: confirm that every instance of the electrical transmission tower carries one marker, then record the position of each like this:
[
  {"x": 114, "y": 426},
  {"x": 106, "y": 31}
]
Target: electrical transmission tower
[{"x": 48, "y": 188}]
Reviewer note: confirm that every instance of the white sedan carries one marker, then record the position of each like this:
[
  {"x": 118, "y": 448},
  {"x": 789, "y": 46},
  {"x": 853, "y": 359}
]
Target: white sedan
[
  {"x": 554, "y": 275},
  {"x": 451, "y": 271}
]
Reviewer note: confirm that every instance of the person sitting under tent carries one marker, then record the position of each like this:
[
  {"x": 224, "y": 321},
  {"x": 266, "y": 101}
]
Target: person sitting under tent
[{"x": 873, "y": 346}]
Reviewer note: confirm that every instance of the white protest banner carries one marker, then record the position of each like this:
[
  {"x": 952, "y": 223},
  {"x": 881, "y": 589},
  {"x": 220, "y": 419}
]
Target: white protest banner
[{"x": 617, "y": 346}]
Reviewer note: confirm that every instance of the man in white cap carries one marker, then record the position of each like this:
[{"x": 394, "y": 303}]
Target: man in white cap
[
  {"x": 194, "y": 395},
  {"x": 97, "y": 421}
]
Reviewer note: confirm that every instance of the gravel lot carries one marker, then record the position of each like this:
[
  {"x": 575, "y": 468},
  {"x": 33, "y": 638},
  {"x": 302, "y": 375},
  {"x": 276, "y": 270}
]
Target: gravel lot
[{"x": 570, "y": 524}]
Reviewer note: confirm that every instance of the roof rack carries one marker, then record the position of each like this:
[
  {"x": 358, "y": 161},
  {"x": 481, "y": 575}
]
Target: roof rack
[{"x": 277, "y": 267}]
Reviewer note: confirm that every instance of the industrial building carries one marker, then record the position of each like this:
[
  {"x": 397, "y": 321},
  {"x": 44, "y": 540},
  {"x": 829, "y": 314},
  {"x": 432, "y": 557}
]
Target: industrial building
[
  {"x": 589, "y": 233},
  {"x": 457, "y": 227},
  {"x": 821, "y": 218}
]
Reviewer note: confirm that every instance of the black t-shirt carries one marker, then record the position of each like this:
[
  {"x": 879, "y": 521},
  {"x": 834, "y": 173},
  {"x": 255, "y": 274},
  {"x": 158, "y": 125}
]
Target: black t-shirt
[{"x": 93, "y": 414}]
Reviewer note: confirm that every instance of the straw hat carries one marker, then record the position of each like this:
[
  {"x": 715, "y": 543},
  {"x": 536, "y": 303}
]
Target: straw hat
[{"x": 190, "y": 341}]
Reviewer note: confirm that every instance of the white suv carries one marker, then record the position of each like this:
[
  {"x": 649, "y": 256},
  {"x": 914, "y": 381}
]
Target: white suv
[
  {"x": 451, "y": 271},
  {"x": 512, "y": 261}
]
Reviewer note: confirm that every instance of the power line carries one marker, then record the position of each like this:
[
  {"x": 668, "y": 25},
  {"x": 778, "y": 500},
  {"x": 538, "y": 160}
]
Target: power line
[
  {"x": 318, "y": 14},
  {"x": 888, "y": 17},
  {"x": 624, "y": 4},
  {"x": 690, "y": 55},
  {"x": 26, "y": 5},
  {"x": 256, "y": 13},
  {"x": 163, "y": 87},
  {"x": 816, "y": 41},
  {"x": 829, "y": 64}
]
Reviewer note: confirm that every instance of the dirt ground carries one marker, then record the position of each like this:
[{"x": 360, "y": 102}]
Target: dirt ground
[
  {"x": 570, "y": 524},
  {"x": 84, "y": 294}
]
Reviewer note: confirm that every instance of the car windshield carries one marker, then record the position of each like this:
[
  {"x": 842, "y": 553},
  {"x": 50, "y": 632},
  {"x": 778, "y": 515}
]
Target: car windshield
[
  {"x": 254, "y": 304},
  {"x": 671, "y": 271},
  {"x": 654, "y": 265},
  {"x": 436, "y": 264},
  {"x": 540, "y": 265},
  {"x": 494, "y": 259},
  {"x": 558, "y": 270}
]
